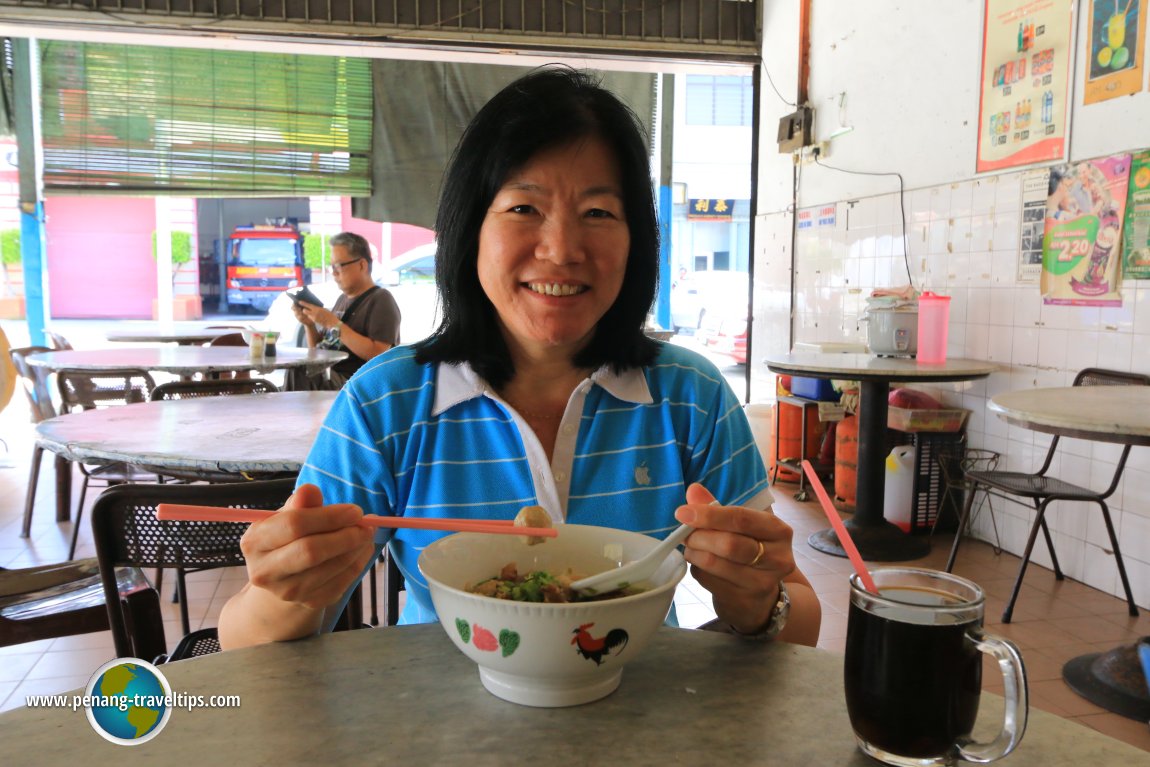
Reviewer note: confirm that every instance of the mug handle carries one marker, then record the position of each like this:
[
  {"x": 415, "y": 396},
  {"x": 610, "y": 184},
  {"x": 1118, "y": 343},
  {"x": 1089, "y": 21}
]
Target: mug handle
[{"x": 1016, "y": 704}]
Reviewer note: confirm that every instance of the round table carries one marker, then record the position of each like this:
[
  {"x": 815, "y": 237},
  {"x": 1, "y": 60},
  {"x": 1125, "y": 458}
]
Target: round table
[
  {"x": 184, "y": 335},
  {"x": 186, "y": 361},
  {"x": 876, "y": 539},
  {"x": 1114, "y": 679},
  {"x": 239, "y": 433},
  {"x": 407, "y": 694}
]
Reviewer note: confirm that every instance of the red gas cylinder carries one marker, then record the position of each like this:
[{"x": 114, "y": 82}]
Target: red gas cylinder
[
  {"x": 789, "y": 421},
  {"x": 846, "y": 461}
]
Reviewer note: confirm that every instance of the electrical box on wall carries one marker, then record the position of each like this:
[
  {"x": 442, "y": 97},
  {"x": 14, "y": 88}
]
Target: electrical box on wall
[{"x": 795, "y": 130}]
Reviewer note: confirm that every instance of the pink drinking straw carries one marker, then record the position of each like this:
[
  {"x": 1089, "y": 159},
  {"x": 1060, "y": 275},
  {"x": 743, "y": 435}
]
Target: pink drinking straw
[{"x": 840, "y": 529}]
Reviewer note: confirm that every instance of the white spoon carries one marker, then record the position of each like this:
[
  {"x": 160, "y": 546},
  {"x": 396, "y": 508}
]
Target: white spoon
[{"x": 633, "y": 572}]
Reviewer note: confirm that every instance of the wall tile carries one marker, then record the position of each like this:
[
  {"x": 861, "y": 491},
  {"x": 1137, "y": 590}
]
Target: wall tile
[
  {"x": 1027, "y": 306},
  {"x": 1115, "y": 350},
  {"x": 1052, "y": 348}
]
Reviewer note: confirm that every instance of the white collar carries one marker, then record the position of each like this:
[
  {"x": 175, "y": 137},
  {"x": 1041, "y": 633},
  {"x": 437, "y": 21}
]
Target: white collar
[{"x": 456, "y": 383}]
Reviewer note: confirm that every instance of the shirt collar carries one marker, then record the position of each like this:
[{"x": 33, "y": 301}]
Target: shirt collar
[{"x": 458, "y": 382}]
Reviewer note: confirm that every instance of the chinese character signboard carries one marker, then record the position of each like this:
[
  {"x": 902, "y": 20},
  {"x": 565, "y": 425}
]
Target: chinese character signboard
[
  {"x": 1026, "y": 54},
  {"x": 704, "y": 209}
]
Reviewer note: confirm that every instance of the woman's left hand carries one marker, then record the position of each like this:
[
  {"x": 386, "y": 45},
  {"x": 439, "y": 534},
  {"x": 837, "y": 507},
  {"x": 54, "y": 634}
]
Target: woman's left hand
[{"x": 740, "y": 555}]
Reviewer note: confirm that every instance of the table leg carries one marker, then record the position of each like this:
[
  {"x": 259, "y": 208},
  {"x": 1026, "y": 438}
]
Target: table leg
[
  {"x": 877, "y": 540},
  {"x": 63, "y": 489},
  {"x": 1113, "y": 680}
]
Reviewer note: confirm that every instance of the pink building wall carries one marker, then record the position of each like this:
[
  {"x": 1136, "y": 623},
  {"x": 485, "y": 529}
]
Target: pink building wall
[
  {"x": 404, "y": 237},
  {"x": 99, "y": 253}
]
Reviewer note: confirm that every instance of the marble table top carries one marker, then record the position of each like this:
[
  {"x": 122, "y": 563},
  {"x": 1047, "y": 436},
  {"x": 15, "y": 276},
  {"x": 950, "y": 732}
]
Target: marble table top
[
  {"x": 861, "y": 367},
  {"x": 253, "y": 433},
  {"x": 405, "y": 695},
  {"x": 158, "y": 332},
  {"x": 1102, "y": 413},
  {"x": 185, "y": 360}
]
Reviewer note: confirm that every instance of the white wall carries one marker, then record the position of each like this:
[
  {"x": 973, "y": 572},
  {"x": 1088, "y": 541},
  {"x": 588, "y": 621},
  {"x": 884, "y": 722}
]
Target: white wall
[{"x": 910, "y": 71}]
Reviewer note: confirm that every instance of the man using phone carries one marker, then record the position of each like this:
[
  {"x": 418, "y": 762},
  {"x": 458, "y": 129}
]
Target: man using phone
[{"x": 364, "y": 321}]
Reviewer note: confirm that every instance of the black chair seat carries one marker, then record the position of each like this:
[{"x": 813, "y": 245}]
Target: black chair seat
[{"x": 1033, "y": 486}]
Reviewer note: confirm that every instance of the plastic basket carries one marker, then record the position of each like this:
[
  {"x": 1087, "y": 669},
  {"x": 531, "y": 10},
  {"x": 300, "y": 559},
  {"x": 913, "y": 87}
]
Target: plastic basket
[{"x": 905, "y": 419}]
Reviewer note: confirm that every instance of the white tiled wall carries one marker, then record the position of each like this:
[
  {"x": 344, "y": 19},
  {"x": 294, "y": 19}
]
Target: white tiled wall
[{"x": 963, "y": 242}]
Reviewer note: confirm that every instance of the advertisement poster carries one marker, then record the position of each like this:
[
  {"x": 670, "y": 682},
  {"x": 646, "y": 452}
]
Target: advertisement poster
[
  {"x": 1034, "y": 191},
  {"x": 1136, "y": 232},
  {"x": 1117, "y": 43},
  {"x": 1081, "y": 250},
  {"x": 1026, "y": 53}
]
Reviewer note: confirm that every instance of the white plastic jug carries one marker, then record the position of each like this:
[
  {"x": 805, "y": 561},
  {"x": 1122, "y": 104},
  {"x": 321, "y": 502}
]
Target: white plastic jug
[{"x": 898, "y": 497}]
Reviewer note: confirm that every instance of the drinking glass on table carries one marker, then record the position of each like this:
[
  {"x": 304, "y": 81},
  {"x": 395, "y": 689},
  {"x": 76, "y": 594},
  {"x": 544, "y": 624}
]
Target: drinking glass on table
[{"x": 913, "y": 670}]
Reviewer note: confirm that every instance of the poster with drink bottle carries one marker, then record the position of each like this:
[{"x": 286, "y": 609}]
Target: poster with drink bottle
[
  {"x": 1082, "y": 243},
  {"x": 1115, "y": 53},
  {"x": 1027, "y": 47},
  {"x": 1136, "y": 231}
]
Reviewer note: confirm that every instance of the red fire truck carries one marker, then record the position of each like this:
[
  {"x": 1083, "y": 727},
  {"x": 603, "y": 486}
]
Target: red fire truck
[{"x": 262, "y": 262}]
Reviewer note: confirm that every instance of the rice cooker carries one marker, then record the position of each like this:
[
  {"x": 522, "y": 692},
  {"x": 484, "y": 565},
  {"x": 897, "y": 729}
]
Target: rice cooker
[{"x": 892, "y": 332}]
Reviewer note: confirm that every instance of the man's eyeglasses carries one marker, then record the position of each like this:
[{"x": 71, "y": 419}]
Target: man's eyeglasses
[{"x": 337, "y": 268}]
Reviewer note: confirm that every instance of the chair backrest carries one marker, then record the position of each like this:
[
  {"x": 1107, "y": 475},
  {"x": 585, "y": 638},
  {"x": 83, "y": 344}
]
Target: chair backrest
[
  {"x": 35, "y": 380},
  {"x": 91, "y": 389},
  {"x": 127, "y": 533},
  {"x": 59, "y": 343},
  {"x": 212, "y": 388},
  {"x": 1102, "y": 377}
]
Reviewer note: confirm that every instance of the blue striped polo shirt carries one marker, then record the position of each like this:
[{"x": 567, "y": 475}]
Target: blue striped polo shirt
[{"x": 437, "y": 441}]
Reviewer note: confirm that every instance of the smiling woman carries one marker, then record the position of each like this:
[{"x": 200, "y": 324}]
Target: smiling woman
[{"x": 539, "y": 387}]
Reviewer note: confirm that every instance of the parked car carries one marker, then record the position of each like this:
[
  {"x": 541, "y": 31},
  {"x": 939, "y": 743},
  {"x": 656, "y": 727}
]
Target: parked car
[
  {"x": 409, "y": 277},
  {"x": 706, "y": 298},
  {"x": 727, "y": 337}
]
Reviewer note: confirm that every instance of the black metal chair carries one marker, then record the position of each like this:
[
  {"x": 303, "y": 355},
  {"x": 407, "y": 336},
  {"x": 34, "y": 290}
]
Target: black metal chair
[
  {"x": 1042, "y": 490},
  {"x": 88, "y": 390},
  {"x": 39, "y": 394},
  {"x": 127, "y": 533},
  {"x": 211, "y": 388},
  {"x": 392, "y": 585},
  {"x": 65, "y": 599}
]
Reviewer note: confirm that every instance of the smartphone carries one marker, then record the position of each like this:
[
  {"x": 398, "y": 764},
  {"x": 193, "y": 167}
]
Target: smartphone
[{"x": 305, "y": 295}]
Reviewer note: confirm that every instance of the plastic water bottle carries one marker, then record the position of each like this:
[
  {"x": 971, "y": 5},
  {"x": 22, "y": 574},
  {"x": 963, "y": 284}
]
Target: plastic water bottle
[{"x": 899, "y": 487}]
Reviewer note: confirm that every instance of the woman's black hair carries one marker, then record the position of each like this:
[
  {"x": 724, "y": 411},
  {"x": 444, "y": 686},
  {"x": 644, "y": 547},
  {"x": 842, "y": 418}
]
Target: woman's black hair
[{"x": 547, "y": 108}]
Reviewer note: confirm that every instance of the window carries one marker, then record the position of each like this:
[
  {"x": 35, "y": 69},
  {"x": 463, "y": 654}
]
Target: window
[
  {"x": 149, "y": 120},
  {"x": 723, "y": 100}
]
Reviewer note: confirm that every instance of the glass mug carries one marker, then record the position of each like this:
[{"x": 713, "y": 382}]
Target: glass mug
[{"x": 913, "y": 670}]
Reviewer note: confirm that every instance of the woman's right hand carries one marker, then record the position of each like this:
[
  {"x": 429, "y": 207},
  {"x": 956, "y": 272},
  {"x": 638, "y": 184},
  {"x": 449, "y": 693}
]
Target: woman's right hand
[{"x": 308, "y": 554}]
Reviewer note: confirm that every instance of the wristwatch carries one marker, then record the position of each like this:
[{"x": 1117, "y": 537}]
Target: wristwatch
[{"x": 775, "y": 623}]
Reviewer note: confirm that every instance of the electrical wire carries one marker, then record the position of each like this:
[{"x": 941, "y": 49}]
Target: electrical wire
[
  {"x": 901, "y": 205},
  {"x": 763, "y": 65}
]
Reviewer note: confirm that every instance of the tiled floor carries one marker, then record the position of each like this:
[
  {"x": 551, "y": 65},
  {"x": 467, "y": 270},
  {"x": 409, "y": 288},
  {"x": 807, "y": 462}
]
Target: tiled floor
[{"x": 1053, "y": 621}]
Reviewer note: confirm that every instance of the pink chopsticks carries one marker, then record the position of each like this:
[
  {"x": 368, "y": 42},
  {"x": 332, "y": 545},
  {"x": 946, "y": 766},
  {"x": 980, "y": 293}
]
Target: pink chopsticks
[{"x": 186, "y": 513}]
